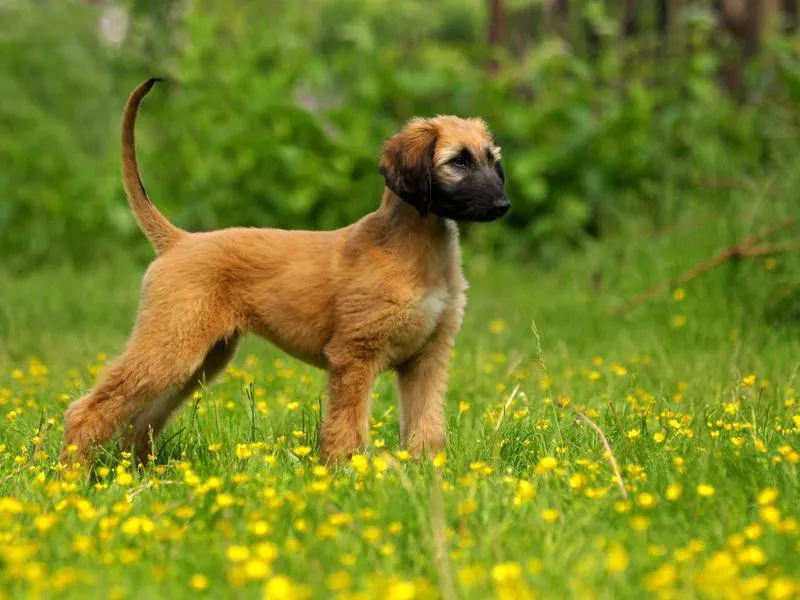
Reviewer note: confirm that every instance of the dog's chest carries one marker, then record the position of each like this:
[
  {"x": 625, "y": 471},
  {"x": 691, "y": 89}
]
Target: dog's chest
[
  {"x": 437, "y": 295},
  {"x": 431, "y": 306},
  {"x": 419, "y": 322}
]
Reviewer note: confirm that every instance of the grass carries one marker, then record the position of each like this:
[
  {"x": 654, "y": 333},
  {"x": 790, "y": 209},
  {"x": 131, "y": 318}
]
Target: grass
[{"x": 695, "y": 392}]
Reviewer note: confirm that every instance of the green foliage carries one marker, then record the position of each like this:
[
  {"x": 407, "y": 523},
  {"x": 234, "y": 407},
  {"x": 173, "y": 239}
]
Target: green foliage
[
  {"x": 57, "y": 169},
  {"x": 276, "y": 112}
]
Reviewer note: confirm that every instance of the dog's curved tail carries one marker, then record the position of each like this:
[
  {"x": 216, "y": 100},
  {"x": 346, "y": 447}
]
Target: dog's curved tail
[{"x": 161, "y": 233}]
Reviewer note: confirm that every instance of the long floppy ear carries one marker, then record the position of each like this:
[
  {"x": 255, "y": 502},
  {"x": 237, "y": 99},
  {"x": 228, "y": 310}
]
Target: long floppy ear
[{"x": 407, "y": 163}]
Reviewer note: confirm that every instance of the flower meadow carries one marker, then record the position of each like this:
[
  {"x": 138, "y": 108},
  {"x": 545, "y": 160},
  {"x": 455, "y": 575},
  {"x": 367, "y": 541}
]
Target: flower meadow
[{"x": 697, "y": 399}]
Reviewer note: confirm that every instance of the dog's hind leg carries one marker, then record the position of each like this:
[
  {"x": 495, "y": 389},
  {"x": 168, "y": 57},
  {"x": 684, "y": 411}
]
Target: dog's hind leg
[
  {"x": 145, "y": 427},
  {"x": 163, "y": 354}
]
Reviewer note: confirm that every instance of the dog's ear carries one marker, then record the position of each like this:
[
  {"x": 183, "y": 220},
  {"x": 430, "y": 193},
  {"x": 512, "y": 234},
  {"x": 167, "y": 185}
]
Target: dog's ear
[{"x": 407, "y": 163}]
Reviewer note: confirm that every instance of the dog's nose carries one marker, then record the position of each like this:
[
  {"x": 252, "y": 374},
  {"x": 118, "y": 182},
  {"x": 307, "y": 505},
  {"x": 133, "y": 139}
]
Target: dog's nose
[{"x": 501, "y": 205}]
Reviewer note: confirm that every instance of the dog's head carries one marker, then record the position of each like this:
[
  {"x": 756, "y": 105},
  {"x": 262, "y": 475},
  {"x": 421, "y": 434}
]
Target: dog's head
[{"x": 448, "y": 166}]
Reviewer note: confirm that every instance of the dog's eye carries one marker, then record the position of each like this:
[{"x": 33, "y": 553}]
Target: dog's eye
[
  {"x": 498, "y": 168},
  {"x": 460, "y": 161}
]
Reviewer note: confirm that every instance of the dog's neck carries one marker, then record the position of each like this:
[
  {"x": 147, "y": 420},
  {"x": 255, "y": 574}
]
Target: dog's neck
[{"x": 404, "y": 216}]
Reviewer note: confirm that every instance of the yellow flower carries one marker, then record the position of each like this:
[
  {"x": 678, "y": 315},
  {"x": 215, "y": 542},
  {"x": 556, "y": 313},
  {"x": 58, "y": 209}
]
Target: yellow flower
[
  {"x": 266, "y": 551},
  {"x": 137, "y": 525},
  {"x": 198, "y": 582},
  {"x": 577, "y": 481},
  {"x": 525, "y": 490},
  {"x": 767, "y": 496},
  {"x": 782, "y": 588},
  {"x": 395, "y": 527},
  {"x": 678, "y": 294},
  {"x": 463, "y": 407},
  {"x": 259, "y": 528},
  {"x": 191, "y": 478},
  {"x": 622, "y": 506},
  {"x": 753, "y": 531},
  {"x": 546, "y": 464},
  {"x": 497, "y": 326},
  {"x": 371, "y": 534},
  {"x": 549, "y": 515},
  {"x": 753, "y": 586},
  {"x": 439, "y": 460},
  {"x": 471, "y": 576},
  {"x": 617, "y": 558},
  {"x": 661, "y": 578},
  {"x": 674, "y": 491},
  {"x": 340, "y": 519},
  {"x": 508, "y": 572},
  {"x": 129, "y": 556},
  {"x": 749, "y": 380},
  {"x": 223, "y": 500},
  {"x": 678, "y": 321},
  {"x": 380, "y": 463},
  {"x": 280, "y": 587},
  {"x": 402, "y": 455},
  {"x": 752, "y": 555},
  {"x": 466, "y": 507},
  {"x": 302, "y": 451},
  {"x": 646, "y": 500},
  {"x": 124, "y": 478},
  {"x": 44, "y": 523},
  {"x": 82, "y": 544},
  {"x": 705, "y": 490},
  {"x": 10, "y": 506},
  {"x": 256, "y": 570},
  {"x": 640, "y": 523},
  {"x": 619, "y": 370},
  {"x": 339, "y": 581},
  {"x": 237, "y": 554},
  {"x": 243, "y": 451},
  {"x": 770, "y": 515},
  {"x": 184, "y": 512},
  {"x": 360, "y": 463},
  {"x": 659, "y": 437},
  {"x": 401, "y": 590}
]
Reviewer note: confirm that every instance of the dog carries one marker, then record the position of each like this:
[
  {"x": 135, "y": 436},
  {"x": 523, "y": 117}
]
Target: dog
[{"x": 384, "y": 293}]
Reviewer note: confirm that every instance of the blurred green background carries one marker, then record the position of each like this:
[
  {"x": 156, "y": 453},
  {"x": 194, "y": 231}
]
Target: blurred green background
[{"x": 609, "y": 113}]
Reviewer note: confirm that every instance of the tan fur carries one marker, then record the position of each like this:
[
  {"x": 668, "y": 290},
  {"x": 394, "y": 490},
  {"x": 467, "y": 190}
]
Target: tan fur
[{"x": 386, "y": 292}]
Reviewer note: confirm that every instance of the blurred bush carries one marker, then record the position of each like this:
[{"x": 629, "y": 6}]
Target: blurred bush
[{"x": 276, "y": 110}]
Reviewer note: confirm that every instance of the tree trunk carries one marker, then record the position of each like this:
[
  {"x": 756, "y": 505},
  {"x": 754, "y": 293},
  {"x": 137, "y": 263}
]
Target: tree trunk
[
  {"x": 732, "y": 18},
  {"x": 523, "y": 29},
  {"x": 630, "y": 23},
  {"x": 555, "y": 17},
  {"x": 497, "y": 29},
  {"x": 752, "y": 28},
  {"x": 790, "y": 16}
]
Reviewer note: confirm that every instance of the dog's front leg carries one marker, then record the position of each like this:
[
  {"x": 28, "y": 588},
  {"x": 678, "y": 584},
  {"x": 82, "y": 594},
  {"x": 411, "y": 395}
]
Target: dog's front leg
[
  {"x": 422, "y": 383},
  {"x": 346, "y": 425}
]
